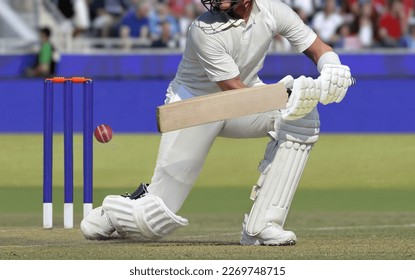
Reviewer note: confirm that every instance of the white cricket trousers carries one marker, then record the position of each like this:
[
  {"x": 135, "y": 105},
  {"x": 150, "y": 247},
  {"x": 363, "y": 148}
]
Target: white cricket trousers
[{"x": 182, "y": 153}]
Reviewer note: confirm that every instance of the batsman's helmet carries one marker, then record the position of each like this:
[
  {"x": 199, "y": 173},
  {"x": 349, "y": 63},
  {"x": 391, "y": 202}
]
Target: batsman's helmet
[{"x": 213, "y": 5}]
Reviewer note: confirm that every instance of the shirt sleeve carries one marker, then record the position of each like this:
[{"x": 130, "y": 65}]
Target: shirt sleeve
[
  {"x": 290, "y": 26},
  {"x": 211, "y": 52}
]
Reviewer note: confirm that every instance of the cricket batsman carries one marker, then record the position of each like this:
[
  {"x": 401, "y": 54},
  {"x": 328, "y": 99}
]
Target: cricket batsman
[{"x": 225, "y": 49}]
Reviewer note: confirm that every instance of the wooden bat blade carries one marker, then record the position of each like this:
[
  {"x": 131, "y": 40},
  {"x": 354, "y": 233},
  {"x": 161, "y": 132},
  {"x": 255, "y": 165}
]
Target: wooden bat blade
[{"x": 221, "y": 106}]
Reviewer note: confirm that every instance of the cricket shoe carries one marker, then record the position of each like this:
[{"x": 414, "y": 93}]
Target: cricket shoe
[
  {"x": 97, "y": 225},
  {"x": 272, "y": 235}
]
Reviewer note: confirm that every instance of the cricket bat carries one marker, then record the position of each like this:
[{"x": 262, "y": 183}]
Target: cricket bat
[{"x": 221, "y": 106}]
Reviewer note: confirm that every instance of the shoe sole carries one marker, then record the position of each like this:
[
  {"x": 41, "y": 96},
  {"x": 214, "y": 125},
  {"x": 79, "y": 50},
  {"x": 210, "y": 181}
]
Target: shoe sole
[{"x": 256, "y": 242}]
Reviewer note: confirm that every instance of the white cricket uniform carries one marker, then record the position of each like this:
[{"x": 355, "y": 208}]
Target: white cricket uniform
[{"x": 219, "y": 49}]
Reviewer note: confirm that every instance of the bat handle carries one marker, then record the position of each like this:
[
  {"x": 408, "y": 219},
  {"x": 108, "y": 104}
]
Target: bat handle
[{"x": 353, "y": 81}]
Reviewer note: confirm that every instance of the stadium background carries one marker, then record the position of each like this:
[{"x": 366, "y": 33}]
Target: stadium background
[{"x": 381, "y": 101}]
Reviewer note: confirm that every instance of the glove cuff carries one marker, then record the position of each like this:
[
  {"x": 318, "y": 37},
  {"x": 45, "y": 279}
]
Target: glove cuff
[{"x": 328, "y": 58}]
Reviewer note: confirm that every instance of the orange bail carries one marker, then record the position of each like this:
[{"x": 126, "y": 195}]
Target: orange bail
[{"x": 73, "y": 79}]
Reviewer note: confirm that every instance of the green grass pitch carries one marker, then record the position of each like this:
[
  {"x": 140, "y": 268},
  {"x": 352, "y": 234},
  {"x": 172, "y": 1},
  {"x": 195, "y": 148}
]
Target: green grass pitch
[{"x": 355, "y": 200}]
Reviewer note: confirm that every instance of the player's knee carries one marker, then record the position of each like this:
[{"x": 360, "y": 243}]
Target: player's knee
[
  {"x": 182, "y": 171},
  {"x": 305, "y": 130}
]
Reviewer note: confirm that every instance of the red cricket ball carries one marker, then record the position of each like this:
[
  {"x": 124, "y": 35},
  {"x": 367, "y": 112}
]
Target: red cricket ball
[{"x": 103, "y": 133}]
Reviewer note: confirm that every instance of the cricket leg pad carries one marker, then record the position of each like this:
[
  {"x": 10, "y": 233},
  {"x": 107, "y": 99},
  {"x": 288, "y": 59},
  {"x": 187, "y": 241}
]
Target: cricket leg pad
[
  {"x": 146, "y": 217},
  {"x": 97, "y": 225},
  {"x": 281, "y": 170}
]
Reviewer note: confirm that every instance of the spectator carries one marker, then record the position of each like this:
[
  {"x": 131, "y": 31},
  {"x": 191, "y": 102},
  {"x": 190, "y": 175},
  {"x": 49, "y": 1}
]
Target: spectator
[
  {"x": 308, "y": 7},
  {"x": 351, "y": 13},
  {"x": 409, "y": 8},
  {"x": 346, "y": 39},
  {"x": 81, "y": 20},
  {"x": 45, "y": 65},
  {"x": 135, "y": 24},
  {"x": 178, "y": 7},
  {"x": 184, "y": 22},
  {"x": 392, "y": 25},
  {"x": 105, "y": 14},
  {"x": 379, "y": 6},
  {"x": 65, "y": 7},
  {"x": 165, "y": 40},
  {"x": 366, "y": 25},
  {"x": 326, "y": 22},
  {"x": 77, "y": 12},
  {"x": 160, "y": 14},
  {"x": 410, "y": 37}
]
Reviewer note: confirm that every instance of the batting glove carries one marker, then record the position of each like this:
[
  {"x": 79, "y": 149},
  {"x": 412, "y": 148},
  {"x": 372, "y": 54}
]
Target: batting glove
[
  {"x": 334, "y": 82},
  {"x": 305, "y": 94}
]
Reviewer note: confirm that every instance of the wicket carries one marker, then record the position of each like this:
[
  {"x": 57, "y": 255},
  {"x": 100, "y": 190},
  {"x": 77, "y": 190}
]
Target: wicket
[{"x": 68, "y": 147}]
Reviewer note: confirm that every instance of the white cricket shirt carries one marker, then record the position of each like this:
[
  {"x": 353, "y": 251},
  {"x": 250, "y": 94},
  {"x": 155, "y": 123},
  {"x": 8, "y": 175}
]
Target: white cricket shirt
[{"x": 219, "y": 48}]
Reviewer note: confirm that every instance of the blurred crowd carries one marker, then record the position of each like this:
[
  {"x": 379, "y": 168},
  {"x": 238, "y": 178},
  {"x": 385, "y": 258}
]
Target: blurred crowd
[
  {"x": 349, "y": 24},
  {"x": 358, "y": 24}
]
